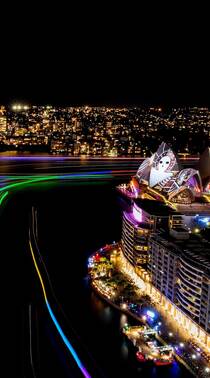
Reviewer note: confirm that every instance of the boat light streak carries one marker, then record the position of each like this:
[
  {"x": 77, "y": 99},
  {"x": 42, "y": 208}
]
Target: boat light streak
[
  {"x": 3, "y": 197},
  {"x": 58, "y": 327},
  {"x": 89, "y": 175}
]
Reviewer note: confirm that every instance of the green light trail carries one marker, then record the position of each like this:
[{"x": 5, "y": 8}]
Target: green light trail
[
  {"x": 3, "y": 196},
  {"x": 55, "y": 177}
]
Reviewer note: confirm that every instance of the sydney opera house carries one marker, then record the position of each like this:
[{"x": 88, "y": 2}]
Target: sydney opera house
[{"x": 161, "y": 177}]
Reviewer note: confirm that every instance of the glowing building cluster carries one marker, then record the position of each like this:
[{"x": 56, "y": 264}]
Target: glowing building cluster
[
  {"x": 102, "y": 131},
  {"x": 162, "y": 235}
]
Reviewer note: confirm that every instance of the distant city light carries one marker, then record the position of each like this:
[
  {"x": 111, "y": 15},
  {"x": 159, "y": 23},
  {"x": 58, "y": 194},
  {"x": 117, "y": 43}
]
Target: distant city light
[
  {"x": 20, "y": 107},
  {"x": 103, "y": 141}
]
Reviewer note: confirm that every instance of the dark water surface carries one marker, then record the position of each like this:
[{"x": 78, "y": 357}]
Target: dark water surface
[{"x": 73, "y": 221}]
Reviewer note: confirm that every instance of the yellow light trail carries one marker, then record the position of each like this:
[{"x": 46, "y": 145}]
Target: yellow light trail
[{"x": 38, "y": 272}]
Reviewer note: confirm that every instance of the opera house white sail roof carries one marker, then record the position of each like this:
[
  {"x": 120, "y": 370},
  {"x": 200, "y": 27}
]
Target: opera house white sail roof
[{"x": 163, "y": 173}]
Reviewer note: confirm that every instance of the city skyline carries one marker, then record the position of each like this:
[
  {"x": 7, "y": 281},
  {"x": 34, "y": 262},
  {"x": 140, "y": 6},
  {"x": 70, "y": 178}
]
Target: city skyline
[{"x": 103, "y": 131}]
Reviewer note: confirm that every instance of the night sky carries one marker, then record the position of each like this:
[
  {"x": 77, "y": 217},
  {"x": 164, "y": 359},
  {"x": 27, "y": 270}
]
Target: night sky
[{"x": 69, "y": 58}]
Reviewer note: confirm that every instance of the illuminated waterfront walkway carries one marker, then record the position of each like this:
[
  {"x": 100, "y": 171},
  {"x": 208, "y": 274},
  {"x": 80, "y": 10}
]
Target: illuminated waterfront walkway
[{"x": 187, "y": 351}]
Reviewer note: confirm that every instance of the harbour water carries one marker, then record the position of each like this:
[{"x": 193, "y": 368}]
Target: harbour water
[{"x": 74, "y": 219}]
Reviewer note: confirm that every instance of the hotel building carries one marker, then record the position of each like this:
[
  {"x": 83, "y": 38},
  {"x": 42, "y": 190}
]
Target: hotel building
[{"x": 179, "y": 267}]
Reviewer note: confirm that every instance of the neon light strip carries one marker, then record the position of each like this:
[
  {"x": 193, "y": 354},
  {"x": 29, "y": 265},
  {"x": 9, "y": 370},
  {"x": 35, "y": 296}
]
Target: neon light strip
[{"x": 59, "y": 329}]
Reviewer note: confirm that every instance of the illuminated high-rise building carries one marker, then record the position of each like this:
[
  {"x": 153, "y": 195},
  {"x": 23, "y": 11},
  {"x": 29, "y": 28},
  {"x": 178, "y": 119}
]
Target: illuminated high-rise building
[{"x": 179, "y": 267}]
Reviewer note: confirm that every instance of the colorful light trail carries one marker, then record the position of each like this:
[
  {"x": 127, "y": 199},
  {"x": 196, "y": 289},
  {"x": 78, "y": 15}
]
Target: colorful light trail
[
  {"x": 58, "y": 327},
  {"x": 3, "y": 194},
  {"x": 74, "y": 176},
  {"x": 78, "y": 158}
]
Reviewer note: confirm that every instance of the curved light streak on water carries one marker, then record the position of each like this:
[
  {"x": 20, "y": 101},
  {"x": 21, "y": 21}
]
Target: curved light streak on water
[
  {"x": 3, "y": 194},
  {"x": 89, "y": 175},
  {"x": 36, "y": 179},
  {"x": 58, "y": 327}
]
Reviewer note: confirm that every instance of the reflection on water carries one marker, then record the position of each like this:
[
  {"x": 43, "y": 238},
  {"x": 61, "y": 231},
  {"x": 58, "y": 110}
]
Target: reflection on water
[
  {"x": 124, "y": 350},
  {"x": 123, "y": 320},
  {"x": 103, "y": 311},
  {"x": 107, "y": 315},
  {"x": 96, "y": 303}
]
